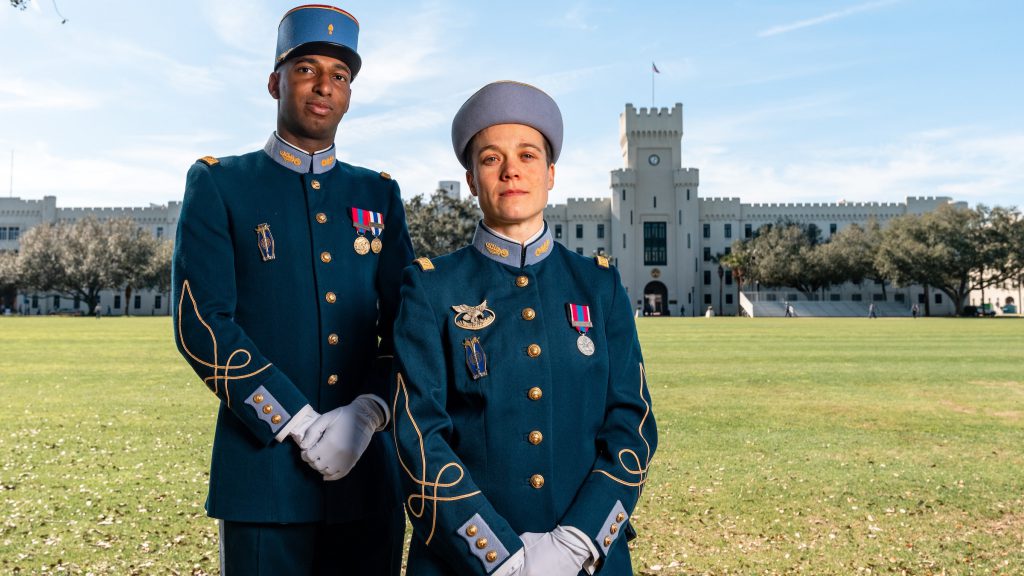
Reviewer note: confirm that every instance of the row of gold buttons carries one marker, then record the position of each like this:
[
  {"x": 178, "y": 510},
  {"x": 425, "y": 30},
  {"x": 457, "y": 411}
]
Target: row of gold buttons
[
  {"x": 258, "y": 399},
  {"x": 330, "y": 297},
  {"x": 481, "y": 543}
]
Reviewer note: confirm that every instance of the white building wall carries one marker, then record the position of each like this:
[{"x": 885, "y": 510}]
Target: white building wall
[{"x": 159, "y": 220}]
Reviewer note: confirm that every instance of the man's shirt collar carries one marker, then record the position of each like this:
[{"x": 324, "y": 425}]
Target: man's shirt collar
[{"x": 298, "y": 160}]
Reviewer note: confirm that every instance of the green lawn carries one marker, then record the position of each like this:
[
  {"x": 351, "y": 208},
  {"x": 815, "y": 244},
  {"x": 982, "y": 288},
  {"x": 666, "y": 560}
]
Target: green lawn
[{"x": 787, "y": 446}]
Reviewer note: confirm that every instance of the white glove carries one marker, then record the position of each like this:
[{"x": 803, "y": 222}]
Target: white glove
[
  {"x": 555, "y": 553},
  {"x": 297, "y": 425},
  {"x": 334, "y": 442}
]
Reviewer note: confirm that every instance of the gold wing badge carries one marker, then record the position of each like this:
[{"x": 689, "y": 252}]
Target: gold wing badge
[{"x": 473, "y": 317}]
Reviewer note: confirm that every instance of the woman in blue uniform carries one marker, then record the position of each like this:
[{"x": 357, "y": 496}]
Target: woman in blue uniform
[{"x": 521, "y": 411}]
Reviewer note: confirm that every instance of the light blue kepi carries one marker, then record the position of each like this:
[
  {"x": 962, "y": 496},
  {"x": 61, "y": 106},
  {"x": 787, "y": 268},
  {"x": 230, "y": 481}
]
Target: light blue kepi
[{"x": 319, "y": 29}]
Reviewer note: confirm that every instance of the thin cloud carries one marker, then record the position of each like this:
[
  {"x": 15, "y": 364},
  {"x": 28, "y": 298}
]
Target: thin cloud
[
  {"x": 22, "y": 94},
  {"x": 817, "y": 20}
]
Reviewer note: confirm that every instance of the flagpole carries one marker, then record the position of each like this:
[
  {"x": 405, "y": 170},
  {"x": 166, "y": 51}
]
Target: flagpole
[{"x": 652, "y": 86}]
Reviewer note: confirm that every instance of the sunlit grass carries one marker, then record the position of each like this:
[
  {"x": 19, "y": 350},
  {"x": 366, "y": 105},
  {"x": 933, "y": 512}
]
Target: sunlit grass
[{"x": 787, "y": 446}]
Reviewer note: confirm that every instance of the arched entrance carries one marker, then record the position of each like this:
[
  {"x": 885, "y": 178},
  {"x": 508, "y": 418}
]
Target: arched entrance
[{"x": 655, "y": 299}]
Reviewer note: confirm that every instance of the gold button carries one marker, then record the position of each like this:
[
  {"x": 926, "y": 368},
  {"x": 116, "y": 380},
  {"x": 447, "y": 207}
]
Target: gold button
[
  {"x": 492, "y": 556},
  {"x": 529, "y": 314},
  {"x": 315, "y": 184},
  {"x": 258, "y": 398},
  {"x": 481, "y": 543},
  {"x": 536, "y": 437},
  {"x": 325, "y": 257},
  {"x": 537, "y": 481},
  {"x": 620, "y": 517},
  {"x": 535, "y": 393},
  {"x": 614, "y": 528},
  {"x": 276, "y": 419},
  {"x": 533, "y": 350},
  {"x": 331, "y": 297},
  {"x": 332, "y": 339},
  {"x": 268, "y": 409},
  {"x": 332, "y": 379},
  {"x": 471, "y": 530},
  {"x": 321, "y": 217},
  {"x": 522, "y": 281},
  {"x": 607, "y": 541}
]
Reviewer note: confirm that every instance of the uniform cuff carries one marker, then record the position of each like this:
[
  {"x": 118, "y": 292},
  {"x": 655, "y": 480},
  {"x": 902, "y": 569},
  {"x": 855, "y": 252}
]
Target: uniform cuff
[
  {"x": 513, "y": 565},
  {"x": 385, "y": 411},
  {"x": 305, "y": 416}
]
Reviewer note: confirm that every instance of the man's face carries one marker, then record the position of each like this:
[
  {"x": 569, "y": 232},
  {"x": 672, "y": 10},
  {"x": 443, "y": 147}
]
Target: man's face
[
  {"x": 313, "y": 94},
  {"x": 511, "y": 177}
]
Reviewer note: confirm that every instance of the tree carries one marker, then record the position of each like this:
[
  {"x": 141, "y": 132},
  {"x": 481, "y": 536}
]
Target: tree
[
  {"x": 158, "y": 272},
  {"x": 83, "y": 258},
  {"x": 784, "y": 255},
  {"x": 130, "y": 250},
  {"x": 19, "y": 4},
  {"x": 442, "y": 225},
  {"x": 850, "y": 254},
  {"x": 10, "y": 279},
  {"x": 740, "y": 260},
  {"x": 954, "y": 249}
]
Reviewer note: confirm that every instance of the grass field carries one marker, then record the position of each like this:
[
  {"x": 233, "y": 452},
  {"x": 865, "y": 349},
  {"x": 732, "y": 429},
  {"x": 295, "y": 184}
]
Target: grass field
[{"x": 806, "y": 446}]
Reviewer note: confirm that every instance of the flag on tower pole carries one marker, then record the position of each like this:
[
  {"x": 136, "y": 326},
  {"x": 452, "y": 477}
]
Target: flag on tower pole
[{"x": 654, "y": 70}]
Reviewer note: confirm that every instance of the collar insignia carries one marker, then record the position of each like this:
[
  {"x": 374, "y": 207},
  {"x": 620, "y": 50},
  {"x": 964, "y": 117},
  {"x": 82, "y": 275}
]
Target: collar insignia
[{"x": 496, "y": 250}]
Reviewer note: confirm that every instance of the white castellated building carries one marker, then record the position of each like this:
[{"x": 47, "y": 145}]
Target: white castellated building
[
  {"x": 17, "y": 216},
  {"x": 665, "y": 238},
  {"x": 655, "y": 227}
]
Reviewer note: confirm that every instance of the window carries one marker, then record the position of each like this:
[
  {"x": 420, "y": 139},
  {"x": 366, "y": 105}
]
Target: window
[
  {"x": 558, "y": 231},
  {"x": 3, "y": 233},
  {"x": 792, "y": 297},
  {"x": 832, "y": 229},
  {"x": 138, "y": 301},
  {"x": 938, "y": 298},
  {"x": 707, "y": 298},
  {"x": 878, "y": 297},
  {"x": 78, "y": 303},
  {"x": 707, "y": 277},
  {"x": 158, "y": 301},
  {"x": 630, "y": 217},
  {"x": 728, "y": 250},
  {"x": 687, "y": 240},
  {"x": 728, "y": 298},
  {"x": 856, "y": 297},
  {"x": 920, "y": 298},
  {"x": 834, "y": 297},
  {"x": 35, "y": 301},
  {"x": 579, "y": 250},
  {"x": 623, "y": 193},
  {"x": 728, "y": 278},
  {"x": 707, "y": 230},
  {"x": 623, "y": 241},
  {"x": 117, "y": 301},
  {"x": 900, "y": 297},
  {"x": 56, "y": 301},
  {"x": 748, "y": 230},
  {"x": 13, "y": 233},
  {"x": 159, "y": 232},
  {"x": 680, "y": 217},
  {"x": 728, "y": 230},
  {"x": 655, "y": 201},
  {"x": 707, "y": 254},
  {"x": 687, "y": 194},
  {"x": 655, "y": 250},
  {"x": 579, "y": 230},
  {"x": 600, "y": 230}
]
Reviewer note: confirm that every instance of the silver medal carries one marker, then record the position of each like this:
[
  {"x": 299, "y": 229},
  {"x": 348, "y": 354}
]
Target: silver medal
[{"x": 585, "y": 345}]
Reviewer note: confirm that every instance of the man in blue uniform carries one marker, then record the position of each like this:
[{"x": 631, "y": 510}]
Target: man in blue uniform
[
  {"x": 521, "y": 412},
  {"x": 286, "y": 279}
]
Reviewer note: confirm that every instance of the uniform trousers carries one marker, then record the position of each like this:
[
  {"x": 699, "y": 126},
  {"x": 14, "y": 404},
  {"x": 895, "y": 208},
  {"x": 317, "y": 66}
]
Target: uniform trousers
[{"x": 367, "y": 547}]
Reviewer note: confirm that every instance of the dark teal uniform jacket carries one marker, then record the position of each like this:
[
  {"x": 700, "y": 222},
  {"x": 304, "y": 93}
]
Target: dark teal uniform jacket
[
  {"x": 274, "y": 310},
  {"x": 549, "y": 436}
]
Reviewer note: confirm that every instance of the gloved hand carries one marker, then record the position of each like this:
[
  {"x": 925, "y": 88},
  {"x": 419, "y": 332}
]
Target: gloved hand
[
  {"x": 334, "y": 442},
  {"x": 555, "y": 553}
]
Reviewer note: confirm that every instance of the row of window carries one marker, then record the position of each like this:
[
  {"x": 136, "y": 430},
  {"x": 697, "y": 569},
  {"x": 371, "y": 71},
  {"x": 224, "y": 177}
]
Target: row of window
[
  {"x": 136, "y": 301},
  {"x": 10, "y": 232},
  {"x": 579, "y": 231}
]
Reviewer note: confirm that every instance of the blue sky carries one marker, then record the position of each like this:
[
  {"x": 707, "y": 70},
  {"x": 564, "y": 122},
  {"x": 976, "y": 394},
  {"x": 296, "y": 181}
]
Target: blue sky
[{"x": 786, "y": 101}]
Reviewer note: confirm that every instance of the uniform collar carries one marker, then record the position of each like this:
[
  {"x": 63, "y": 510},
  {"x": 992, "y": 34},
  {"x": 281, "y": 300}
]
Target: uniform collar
[
  {"x": 298, "y": 160},
  {"x": 507, "y": 251}
]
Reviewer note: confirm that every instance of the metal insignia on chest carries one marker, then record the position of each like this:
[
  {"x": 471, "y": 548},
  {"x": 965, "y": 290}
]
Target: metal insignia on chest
[{"x": 473, "y": 317}]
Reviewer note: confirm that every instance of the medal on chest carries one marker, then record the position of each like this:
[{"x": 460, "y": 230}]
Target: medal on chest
[
  {"x": 579, "y": 318},
  {"x": 363, "y": 221}
]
